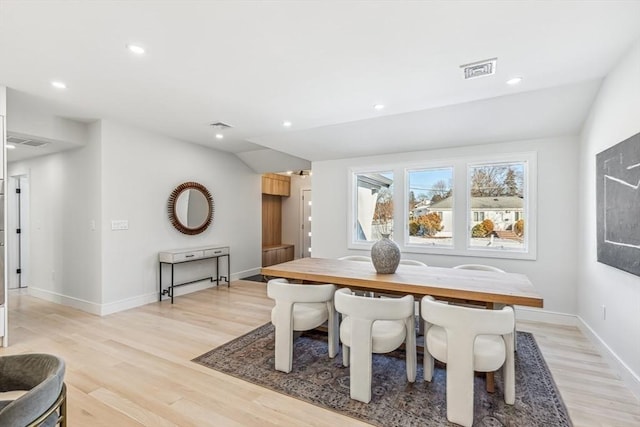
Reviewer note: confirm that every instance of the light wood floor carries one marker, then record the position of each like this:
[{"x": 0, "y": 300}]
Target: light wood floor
[{"x": 133, "y": 368}]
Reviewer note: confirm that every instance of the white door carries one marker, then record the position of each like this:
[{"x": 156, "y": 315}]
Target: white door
[{"x": 306, "y": 224}]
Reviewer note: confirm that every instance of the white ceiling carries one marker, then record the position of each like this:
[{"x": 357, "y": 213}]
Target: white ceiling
[{"x": 321, "y": 65}]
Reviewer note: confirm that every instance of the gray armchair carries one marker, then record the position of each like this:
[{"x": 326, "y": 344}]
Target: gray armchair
[{"x": 41, "y": 378}]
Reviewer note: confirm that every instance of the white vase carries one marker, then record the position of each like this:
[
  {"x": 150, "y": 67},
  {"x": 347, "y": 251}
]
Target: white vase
[{"x": 385, "y": 255}]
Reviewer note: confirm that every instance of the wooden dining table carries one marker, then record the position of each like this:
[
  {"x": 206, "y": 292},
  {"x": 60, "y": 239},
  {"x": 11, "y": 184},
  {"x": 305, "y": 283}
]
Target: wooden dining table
[{"x": 482, "y": 287}]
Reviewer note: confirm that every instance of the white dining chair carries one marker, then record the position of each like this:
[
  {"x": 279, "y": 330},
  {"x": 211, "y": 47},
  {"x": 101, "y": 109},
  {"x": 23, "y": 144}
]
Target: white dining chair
[
  {"x": 374, "y": 325},
  {"x": 300, "y": 308},
  {"x": 355, "y": 258},
  {"x": 359, "y": 258},
  {"x": 413, "y": 262},
  {"x": 467, "y": 340},
  {"x": 479, "y": 267},
  {"x": 484, "y": 267}
]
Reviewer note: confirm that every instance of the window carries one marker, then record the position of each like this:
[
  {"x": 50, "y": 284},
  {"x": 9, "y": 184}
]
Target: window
[
  {"x": 497, "y": 203},
  {"x": 478, "y": 216},
  {"x": 374, "y": 206},
  {"x": 481, "y": 206},
  {"x": 430, "y": 207}
]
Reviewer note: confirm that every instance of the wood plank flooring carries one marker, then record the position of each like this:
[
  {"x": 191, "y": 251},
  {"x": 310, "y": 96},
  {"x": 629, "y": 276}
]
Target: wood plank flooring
[{"x": 133, "y": 368}]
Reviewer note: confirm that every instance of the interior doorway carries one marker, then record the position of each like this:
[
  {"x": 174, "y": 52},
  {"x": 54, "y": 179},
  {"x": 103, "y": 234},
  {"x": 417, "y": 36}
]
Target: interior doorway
[
  {"x": 18, "y": 231},
  {"x": 306, "y": 223}
]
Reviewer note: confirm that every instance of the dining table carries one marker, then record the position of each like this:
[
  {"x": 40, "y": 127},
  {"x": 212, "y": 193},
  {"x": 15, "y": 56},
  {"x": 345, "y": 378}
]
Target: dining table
[{"x": 473, "y": 286}]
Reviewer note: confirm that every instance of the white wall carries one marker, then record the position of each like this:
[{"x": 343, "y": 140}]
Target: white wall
[
  {"x": 140, "y": 170},
  {"x": 291, "y": 213},
  {"x": 29, "y": 115},
  {"x": 614, "y": 117},
  {"x": 125, "y": 173},
  {"x": 554, "y": 271},
  {"x": 64, "y": 197}
]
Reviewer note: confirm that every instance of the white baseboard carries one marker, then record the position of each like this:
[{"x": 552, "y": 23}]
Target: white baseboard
[
  {"x": 544, "y": 316},
  {"x": 630, "y": 378},
  {"x": 126, "y": 304},
  {"x": 80, "y": 304}
]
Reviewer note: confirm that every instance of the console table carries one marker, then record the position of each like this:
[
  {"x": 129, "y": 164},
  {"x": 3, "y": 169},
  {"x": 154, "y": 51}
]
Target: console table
[{"x": 180, "y": 256}]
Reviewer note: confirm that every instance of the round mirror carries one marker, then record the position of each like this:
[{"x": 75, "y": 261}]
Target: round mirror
[{"x": 190, "y": 208}]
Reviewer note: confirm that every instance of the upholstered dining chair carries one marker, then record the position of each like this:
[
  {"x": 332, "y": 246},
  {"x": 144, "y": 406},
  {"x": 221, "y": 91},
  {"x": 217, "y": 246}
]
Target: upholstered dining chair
[
  {"x": 479, "y": 267},
  {"x": 484, "y": 267},
  {"x": 300, "y": 308},
  {"x": 374, "y": 325},
  {"x": 359, "y": 258},
  {"x": 467, "y": 340},
  {"x": 355, "y": 258},
  {"x": 32, "y": 390},
  {"x": 412, "y": 262}
]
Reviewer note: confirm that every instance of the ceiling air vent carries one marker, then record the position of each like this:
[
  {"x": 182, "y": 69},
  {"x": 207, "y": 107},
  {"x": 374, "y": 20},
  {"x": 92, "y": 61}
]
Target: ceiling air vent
[
  {"x": 34, "y": 143},
  {"x": 18, "y": 140},
  {"x": 479, "y": 69},
  {"x": 220, "y": 126}
]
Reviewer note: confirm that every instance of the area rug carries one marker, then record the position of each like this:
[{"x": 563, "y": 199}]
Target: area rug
[
  {"x": 256, "y": 278},
  {"x": 395, "y": 402}
]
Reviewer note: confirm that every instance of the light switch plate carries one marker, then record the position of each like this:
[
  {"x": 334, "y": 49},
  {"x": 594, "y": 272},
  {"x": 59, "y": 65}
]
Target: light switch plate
[{"x": 119, "y": 224}]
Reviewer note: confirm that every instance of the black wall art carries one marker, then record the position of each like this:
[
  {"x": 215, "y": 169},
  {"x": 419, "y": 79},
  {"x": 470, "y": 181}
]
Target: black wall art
[{"x": 618, "y": 205}]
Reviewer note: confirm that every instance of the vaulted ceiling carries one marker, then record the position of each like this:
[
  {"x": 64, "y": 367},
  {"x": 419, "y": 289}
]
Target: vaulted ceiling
[{"x": 322, "y": 66}]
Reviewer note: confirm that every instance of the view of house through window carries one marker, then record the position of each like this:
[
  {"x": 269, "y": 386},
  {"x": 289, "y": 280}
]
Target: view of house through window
[
  {"x": 497, "y": 217},
  {"x": 374, "y": 205},
  {"x": 487, "y": 211},
  {"x": 430, "y": 207}
]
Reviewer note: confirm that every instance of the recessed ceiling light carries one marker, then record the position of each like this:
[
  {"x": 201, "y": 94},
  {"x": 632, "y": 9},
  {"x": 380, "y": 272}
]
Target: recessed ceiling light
[
  {"x": 10, "y": 146},
  {"x": 286, "y": 124},
  {"x": 58, "y": 85},
  {"x": 514, "y": 81},
  {"x": 219, "y": 135},
  {"x": 379, "y": 107},
  {"x": 138, "y": 50}
]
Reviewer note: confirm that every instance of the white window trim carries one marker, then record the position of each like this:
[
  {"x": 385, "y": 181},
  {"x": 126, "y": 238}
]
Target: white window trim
[
  {"x": 352, "y": 242},
  {"x": 462, "y": 216}
]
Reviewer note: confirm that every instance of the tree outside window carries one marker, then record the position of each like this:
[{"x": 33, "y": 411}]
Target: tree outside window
[{"x": 430, "y": 207}]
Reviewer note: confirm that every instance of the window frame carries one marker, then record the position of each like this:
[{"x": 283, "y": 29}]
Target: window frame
[
  {"x": 407, "y": 169},
  {"x": 461, "y": 211},
  {"x": 529, "y": 161},
  {"x": 352, "y": 224}
]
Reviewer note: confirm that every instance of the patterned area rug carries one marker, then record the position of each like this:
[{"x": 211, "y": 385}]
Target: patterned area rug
[
  {"x": 395, "y": 402},
  {"x": 256, "y": 278}
]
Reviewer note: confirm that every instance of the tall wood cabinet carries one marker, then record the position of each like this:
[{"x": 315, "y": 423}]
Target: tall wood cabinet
[{"x": 274, "y": 188}]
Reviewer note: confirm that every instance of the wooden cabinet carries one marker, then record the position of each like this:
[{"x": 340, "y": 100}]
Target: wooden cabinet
[
  {"x": 277, "y": 185},
  {"x": 274, "y": 186},
  {"x": 276, "y": 254}
]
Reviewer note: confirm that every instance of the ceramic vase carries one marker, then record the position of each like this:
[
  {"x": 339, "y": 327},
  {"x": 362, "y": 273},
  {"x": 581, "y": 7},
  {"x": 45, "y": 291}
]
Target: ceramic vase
[{"x": 385, "y": 255}]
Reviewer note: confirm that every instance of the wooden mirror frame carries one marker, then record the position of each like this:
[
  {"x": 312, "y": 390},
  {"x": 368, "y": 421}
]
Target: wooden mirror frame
[{"x": 171, "y": 207}]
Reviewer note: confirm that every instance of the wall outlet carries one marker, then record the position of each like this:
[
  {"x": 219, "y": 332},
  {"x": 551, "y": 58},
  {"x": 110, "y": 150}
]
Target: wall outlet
[
  {"x": 604, "y": 312},
  {"x": 92, "y": 225}
]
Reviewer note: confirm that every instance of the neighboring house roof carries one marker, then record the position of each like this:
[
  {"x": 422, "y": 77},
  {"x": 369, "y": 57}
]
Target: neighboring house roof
[
  {"x": 424, "y": 205},
  {"x": 373, "y": 181},
  {"x": 479, "y": 203},
  {"x": 506, "y": 202},
  {"x": 442, "y": 204}
]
